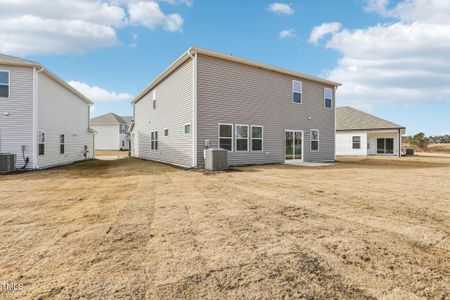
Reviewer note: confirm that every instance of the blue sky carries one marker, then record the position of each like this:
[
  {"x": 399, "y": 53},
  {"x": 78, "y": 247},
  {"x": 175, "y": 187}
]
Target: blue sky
[{"x": 378, "y": 49}]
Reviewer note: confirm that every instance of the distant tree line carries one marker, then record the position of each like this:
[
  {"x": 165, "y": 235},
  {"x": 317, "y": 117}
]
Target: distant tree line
[{"x": 419, "y": 140}]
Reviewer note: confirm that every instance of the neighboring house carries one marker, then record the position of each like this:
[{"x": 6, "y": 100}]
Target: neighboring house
[
  {"x": 43, "y": 120},
  {"x": 259, "y": 113},
  {"x": 359, "y": 133},
  {"x": 111, "y": 132}
]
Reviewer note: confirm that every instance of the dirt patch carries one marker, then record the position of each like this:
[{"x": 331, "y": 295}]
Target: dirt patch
[{"x": 358, "y": 229}]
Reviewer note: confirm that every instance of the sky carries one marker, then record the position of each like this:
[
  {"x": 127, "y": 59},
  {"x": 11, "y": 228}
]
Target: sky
[{"x": 392, "y": 57}]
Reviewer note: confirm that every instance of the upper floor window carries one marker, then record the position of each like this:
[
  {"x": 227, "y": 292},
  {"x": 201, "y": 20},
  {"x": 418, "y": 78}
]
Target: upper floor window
[
  {"x": 328, "y": 97},
  {"x": 154, "y": 99},
  {"x": 123, "y": 129},
  {"x": 4, "y": 84},
  {"x": 187, "y": 129},
  {"x": 241, "y": 137},
  {"x": 314, "y": 140},
  {"x": 297, "y": 87},
  {"x": 166, "y": 132},
  {"x": 226, "y": 136}
]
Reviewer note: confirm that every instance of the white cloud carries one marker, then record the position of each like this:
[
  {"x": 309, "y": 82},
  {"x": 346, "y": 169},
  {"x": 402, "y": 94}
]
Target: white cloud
[
  {"x": 74, "y": 26},
  {"x": 287, "y": 33},
  {"x": 401, "y": 62},
  {"x": 320, "y": 31},
  {"x": 149, "y": 14},
  {"x": 185, "y": 2},
  {"x": 281, "y": 8},
  {"x": 33, "y": 35},
  {"x": 97, "y": 94}
]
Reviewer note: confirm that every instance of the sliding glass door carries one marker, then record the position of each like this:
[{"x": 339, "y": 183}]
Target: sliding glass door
[
  {"x": 385, "y": 146},
  {"x": 293, "y": 145}
]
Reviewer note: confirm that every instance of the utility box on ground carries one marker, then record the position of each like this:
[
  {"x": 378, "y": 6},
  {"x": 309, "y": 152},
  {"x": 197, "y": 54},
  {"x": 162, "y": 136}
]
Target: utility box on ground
[
  {"x": 216, "y": 159},
  {"x": 7, "y": 162}
]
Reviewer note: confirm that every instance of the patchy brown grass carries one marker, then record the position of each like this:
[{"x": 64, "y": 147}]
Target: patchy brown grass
[
  {"x": 359, "y": 229},
  {"x": 110, "y": 153},
  {"x": 439, "y": 148}
]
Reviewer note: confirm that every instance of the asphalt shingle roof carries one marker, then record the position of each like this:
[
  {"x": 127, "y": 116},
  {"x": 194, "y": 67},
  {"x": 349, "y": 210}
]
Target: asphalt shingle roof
[
  {"x": 348, "y": 118},
  {"x": 111, "y": 118}
]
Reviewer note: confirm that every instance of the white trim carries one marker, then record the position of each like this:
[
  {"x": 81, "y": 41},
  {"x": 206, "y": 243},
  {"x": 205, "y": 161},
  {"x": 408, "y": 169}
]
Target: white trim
[
  {"x": 9, "y": 84},
  {"x": 232, "y": 135},
  {"x": 190, "y": 129},
  {"x": 34, "y": 121},
  {"x": 303, "y": 146},
  {"x": 35, "y": 117},
  {"x": 248, "y": 137},
  {"x": 262, "y": 138},
  {"x": 334, "y": 129},
  {"x": 318, "y": 140},
  {"x": 293, "y": 91},
  {"x": 325, "y": 98},
  {"x": 194, "y": 110}
]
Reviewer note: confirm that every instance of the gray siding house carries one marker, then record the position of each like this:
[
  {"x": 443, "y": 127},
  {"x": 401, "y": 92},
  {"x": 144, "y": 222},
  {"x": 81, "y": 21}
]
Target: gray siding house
[
  {"x": 259, "y": 113},
  {"x": 43, "y": 120}
]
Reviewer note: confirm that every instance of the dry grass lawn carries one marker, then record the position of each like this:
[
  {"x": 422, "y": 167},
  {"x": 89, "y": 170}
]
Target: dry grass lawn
[{"x": 359, "y": 229}]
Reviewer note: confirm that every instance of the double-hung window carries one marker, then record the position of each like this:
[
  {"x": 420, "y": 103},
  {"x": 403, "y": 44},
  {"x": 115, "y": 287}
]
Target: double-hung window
[
  {"x": 154, "y": 140},
  {"x": 226, "y": 136},
  {"x": 314, "y": 140},
  {"x": 154, "y": 99},
  {"x": 328, "y": 97},
  {"x": 61, "y": 144},
  {"x": 241, "y": 137},
  {"x": 297, "y": 87},
  {"x": 356, "y": 142},
  {"x": 41, "y": 143},
  {"x": 257, "y": 138},
  {"x": 4, "y": 84}
]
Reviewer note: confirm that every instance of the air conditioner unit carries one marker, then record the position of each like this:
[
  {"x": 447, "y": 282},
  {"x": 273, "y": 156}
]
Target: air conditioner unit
[
  {"x": 7, "y": 162},
  {"x": 216, "y": 159}
]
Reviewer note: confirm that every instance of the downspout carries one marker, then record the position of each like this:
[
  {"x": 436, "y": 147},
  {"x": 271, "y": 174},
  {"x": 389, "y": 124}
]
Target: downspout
[
  {"x": 194, "y": 107},
  {"x": 335, "y": 90},
  {"x": 35, "y": 115}
]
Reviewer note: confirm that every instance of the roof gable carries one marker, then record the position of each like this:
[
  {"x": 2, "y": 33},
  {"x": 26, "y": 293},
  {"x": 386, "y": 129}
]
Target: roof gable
[
  {"x": 349, "y": 118},
  {"x": 110, "y": 118},
  {"x": 194, "y": 50}
]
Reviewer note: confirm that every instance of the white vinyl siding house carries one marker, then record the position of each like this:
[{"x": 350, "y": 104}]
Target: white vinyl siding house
[
  {"x": 40, "y": 108},
  {"x": 111, "y": 132},
  {"x": 257, "y": 112},
  {"x": 361, "y": 134}
]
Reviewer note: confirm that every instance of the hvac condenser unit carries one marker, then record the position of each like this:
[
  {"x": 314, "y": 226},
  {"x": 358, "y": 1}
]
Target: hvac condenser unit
[
  {"x": 7, "y": 162},
  {"x": 216, "y": 159}
]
